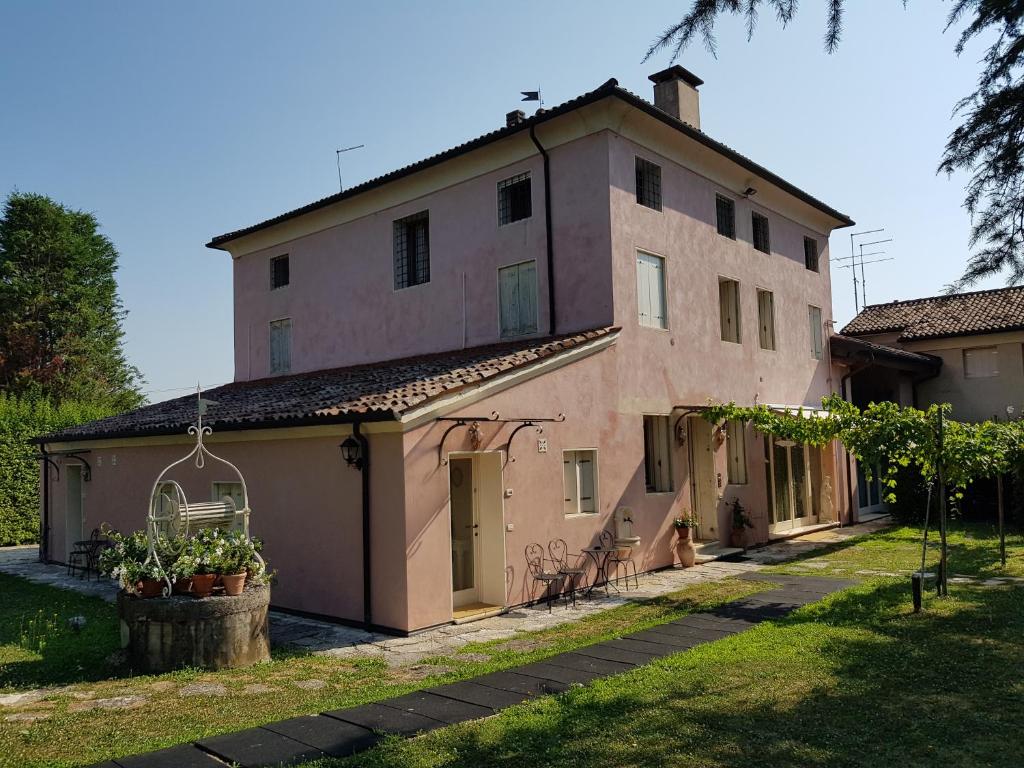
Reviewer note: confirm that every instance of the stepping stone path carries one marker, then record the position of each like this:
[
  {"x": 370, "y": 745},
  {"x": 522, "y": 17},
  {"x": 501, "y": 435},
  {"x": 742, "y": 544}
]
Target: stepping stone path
[
  {"x": 344, "y": 732},
  {"x": 203, "y": 689},
  {"x": 116, "y": 702}
]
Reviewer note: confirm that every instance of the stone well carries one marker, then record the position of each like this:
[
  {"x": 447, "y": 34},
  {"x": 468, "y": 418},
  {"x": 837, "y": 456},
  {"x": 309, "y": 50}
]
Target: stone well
[{"x": 218, "y": 632}]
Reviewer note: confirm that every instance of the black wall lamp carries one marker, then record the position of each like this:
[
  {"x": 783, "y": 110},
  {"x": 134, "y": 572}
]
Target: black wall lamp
[{"x": 352, "y": 452}]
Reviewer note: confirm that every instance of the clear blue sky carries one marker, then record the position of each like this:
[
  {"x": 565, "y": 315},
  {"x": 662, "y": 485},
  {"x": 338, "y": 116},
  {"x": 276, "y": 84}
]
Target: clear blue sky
[{"x": 174, "y": 122}]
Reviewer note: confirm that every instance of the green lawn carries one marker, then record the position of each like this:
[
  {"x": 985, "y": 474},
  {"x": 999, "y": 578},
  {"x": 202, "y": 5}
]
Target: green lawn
[
  {"x": 854, "y": 680},
  {"x": 72, "y": 734}
]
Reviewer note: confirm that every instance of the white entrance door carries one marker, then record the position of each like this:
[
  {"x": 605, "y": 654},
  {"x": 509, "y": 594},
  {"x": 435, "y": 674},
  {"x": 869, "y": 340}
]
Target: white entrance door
[
  {"x": 73, "y": 522},
  {"x": 793, "y": 477},
  {"x": 465, "y": 532},
  {"x": 703, "y": 479}
]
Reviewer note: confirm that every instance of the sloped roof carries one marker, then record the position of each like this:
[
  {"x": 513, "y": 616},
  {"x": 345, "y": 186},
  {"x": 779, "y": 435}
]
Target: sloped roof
[
  {"x": 374, "y": 392},
  {"x": 860, "y": 350},
  {"x": 606, "y": 89},
  {"x": 958, "y": 314}
]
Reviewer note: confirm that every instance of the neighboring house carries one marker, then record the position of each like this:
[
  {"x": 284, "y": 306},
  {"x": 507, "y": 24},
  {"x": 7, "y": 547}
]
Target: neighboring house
[
  {"x": 965, "y": 349},
  {"x": 521, "y": 331}
]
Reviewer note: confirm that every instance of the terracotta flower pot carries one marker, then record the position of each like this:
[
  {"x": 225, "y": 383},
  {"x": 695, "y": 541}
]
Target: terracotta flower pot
[
  {"x": 685, "y": 550},
  {"x": 149, "y": 588},
  {"x": 684, "y": 533},
  {"x": 202, "y": 584},
  {"x": 183, "y": 586},
  {"x": 233, "y": 582}
]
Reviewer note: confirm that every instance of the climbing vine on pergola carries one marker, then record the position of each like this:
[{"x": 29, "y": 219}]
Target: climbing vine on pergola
[{"x": 947, "y": 453}]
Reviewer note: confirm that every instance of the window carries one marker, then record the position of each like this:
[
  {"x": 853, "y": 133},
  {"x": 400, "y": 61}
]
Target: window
[
  {"x": 234, "y": 490},
  {"x": 736, "y": 450},
  {"x": 766, "y": 318},
  {"x": 650, "y": 290},
  {"x": 580, "y": 477},
  {"x": 281, "y": 346},
  {"x": 729, "y": 306},
  {"x": 517, "y": 299},
  {"x": 515, "y": 200},
  {"x": 657, "y": 454},
  {"x": 648, "y": 184},
  {"x": 412, "y": 250},
  {"x": 811, "y": 254},
  {"x": 762, "y": 239},
  {"x": 981, "y": 362},
  {"x": 814, "y": 318},
  {"x": 726, "y": 213},
  {"x": 278, "y": 272}
]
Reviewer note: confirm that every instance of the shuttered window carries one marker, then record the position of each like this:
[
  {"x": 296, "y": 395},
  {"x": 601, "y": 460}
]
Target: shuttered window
[
  {"x": 811, "y": 254},
  {"x": 814, "y": 319},
  {"x": 517, "y": 298},
  {"x": 725, "y": 210},
  {"x": 729, "y": 309},
  {"x": 657, "y": 454},
  {"x": 650, "y": 290},
  {"x": 648, "y": 184},
  {"x": 736, "y": 451},
  {"x": 281, "y": 346},
  {"x": 981, "y": 362},
  {"x": 766, "y": 319},
  {"x": 762, "y": 237},
  {"x": 514, "y": 199},
  {"x": 412, "y": 250},
  {"x": 579, "y": 470}
]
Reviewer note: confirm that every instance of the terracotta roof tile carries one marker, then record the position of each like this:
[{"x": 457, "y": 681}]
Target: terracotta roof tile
[
  {"x": 373, "y": 392},
  {"x": 959, "y": 314}
]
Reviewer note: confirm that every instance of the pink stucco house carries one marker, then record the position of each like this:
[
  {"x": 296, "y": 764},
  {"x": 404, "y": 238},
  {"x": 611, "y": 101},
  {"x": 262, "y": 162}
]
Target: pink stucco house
[{"x": 518, "y": 334}]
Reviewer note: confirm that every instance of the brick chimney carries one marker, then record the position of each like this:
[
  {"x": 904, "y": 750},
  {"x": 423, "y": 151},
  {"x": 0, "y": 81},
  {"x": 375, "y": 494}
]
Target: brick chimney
[
  {"x": 515, "y": 117},
  {"x": 675, "y": 93}
]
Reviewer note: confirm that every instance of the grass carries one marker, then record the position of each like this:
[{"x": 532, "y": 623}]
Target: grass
[
  {"x": 82, "y": 664},
  {"x": 857, "y": 679}
]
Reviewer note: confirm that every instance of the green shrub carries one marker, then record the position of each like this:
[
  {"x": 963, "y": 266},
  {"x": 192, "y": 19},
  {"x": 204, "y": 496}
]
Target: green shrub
[{"x": 21, "y": 420}]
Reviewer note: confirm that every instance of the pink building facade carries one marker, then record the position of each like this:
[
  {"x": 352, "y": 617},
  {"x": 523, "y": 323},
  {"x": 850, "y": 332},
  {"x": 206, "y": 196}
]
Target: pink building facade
[{"x": 521, "y": 333}]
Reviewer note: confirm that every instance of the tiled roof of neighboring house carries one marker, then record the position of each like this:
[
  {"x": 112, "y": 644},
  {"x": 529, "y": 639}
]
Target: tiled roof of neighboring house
[
  {"x": 958, "y": 314},
  {"x": 372, "y": 392},
  {"x": 609, "y": 88},
  {"x": 860, "y": 350}
]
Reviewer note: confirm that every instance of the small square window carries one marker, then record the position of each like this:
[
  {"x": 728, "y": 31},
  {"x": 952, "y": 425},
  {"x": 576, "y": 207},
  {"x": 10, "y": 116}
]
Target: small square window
[
  {"x": 412, "y": 250},
  {"x": 279, "y": 272},
  {"x": 579, "y": 471},
  {"x": 657, "y": 454},
  {"x": 729, "y": 309},
  {"x": 766, "y": 319},
  {"x": 762, "y": 238},
  {"x": 514, "y": 199},
  {"x": 811, "y": 254},
  {"x": 726, "y": 215},
  {"x": 981, "y": 362},
  {"x": 648, "y": 184}
]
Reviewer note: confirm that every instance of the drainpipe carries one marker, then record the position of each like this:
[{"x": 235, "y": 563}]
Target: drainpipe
[
  {"x": 44, "y": 543},
  {"x": 547, "y": 229},
  {"x": 364, "y": 470},
  {"x": 849, "y": 473}
]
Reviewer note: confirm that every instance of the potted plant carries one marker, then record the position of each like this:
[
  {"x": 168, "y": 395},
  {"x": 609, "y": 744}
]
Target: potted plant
[
  {"x": 684, "y": 544},
  {"x": 740, "y": 523},
  {"x": 182, "y": 573},
  {"x": 150, "y": 580},
  {"x": 237, "y": 560},
  {"x": 126, "y": 560},
  {"x": 208, "y": 550}
]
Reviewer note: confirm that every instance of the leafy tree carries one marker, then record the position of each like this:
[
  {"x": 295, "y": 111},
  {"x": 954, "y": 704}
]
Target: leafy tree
[
  {"x": 990, "y": 140},
  {"x": 60, "y": 315}
]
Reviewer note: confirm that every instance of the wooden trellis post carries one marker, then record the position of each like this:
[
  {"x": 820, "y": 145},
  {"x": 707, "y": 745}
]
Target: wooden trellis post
[
  {"x": 943, "y": 558},
  {"x": 1002, "y": 527}
]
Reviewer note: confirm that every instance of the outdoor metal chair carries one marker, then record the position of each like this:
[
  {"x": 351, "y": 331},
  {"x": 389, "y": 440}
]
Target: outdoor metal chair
[
  {"x": 568, "y": 565},
  {"x": 619, "y": 560},
  {"x": 83, "y": 556},
  {"x": 535, "y": 564}
]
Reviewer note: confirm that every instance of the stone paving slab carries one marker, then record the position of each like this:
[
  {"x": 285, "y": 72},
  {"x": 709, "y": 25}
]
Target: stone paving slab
[
  {"x": 259, "y": 748},
  {"x": 377, "y": 717},
  {"x": 336, "y": 738},
  {"x": 590, "y": 663},
  {"x": 680, "y": 642},
  {"x": 182, "y": 756},
  {"x": 443, "y": 708},
  {"x": 642, "y": 646},
  {"x": 522, "y": 682},
  {"x": 481, "y": 695},
  {"x": 563, "y": 676}
]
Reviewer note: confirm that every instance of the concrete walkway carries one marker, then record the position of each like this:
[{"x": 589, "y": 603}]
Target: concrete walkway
[
  {"x": 345, "y": 732},
  {"x": 335, "y": 640}
]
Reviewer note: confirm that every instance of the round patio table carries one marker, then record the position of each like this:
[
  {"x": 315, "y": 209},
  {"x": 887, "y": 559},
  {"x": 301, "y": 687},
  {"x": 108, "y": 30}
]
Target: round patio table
[{"x": 600, "y": 557}]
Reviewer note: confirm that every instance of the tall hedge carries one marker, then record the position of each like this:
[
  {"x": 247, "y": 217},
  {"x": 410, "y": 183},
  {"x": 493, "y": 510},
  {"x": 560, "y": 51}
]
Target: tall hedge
[{"x": 22, "y": 419}]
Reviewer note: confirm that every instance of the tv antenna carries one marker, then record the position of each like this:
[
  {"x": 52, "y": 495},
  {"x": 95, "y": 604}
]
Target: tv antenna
[
  {"x": 860, "y": 297},
  {"x": 337, "y": 154}
]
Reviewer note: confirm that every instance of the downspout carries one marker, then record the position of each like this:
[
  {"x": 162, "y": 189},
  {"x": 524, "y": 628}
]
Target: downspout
[
  {"x": 547, "y": 229},
  {"x": 364, "y": 471},
  {"x": 849, "y": 472},
  {"x": 44, "y": 543}
]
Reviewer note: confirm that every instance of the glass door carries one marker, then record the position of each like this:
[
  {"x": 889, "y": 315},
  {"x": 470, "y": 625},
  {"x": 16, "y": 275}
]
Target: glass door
[
  {"x": 464, "y": 529},
  {"x": 792, "y": 475}
]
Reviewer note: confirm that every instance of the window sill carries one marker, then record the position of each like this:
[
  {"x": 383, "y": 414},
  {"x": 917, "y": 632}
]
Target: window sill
[{"x": 581, "y": 515}]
